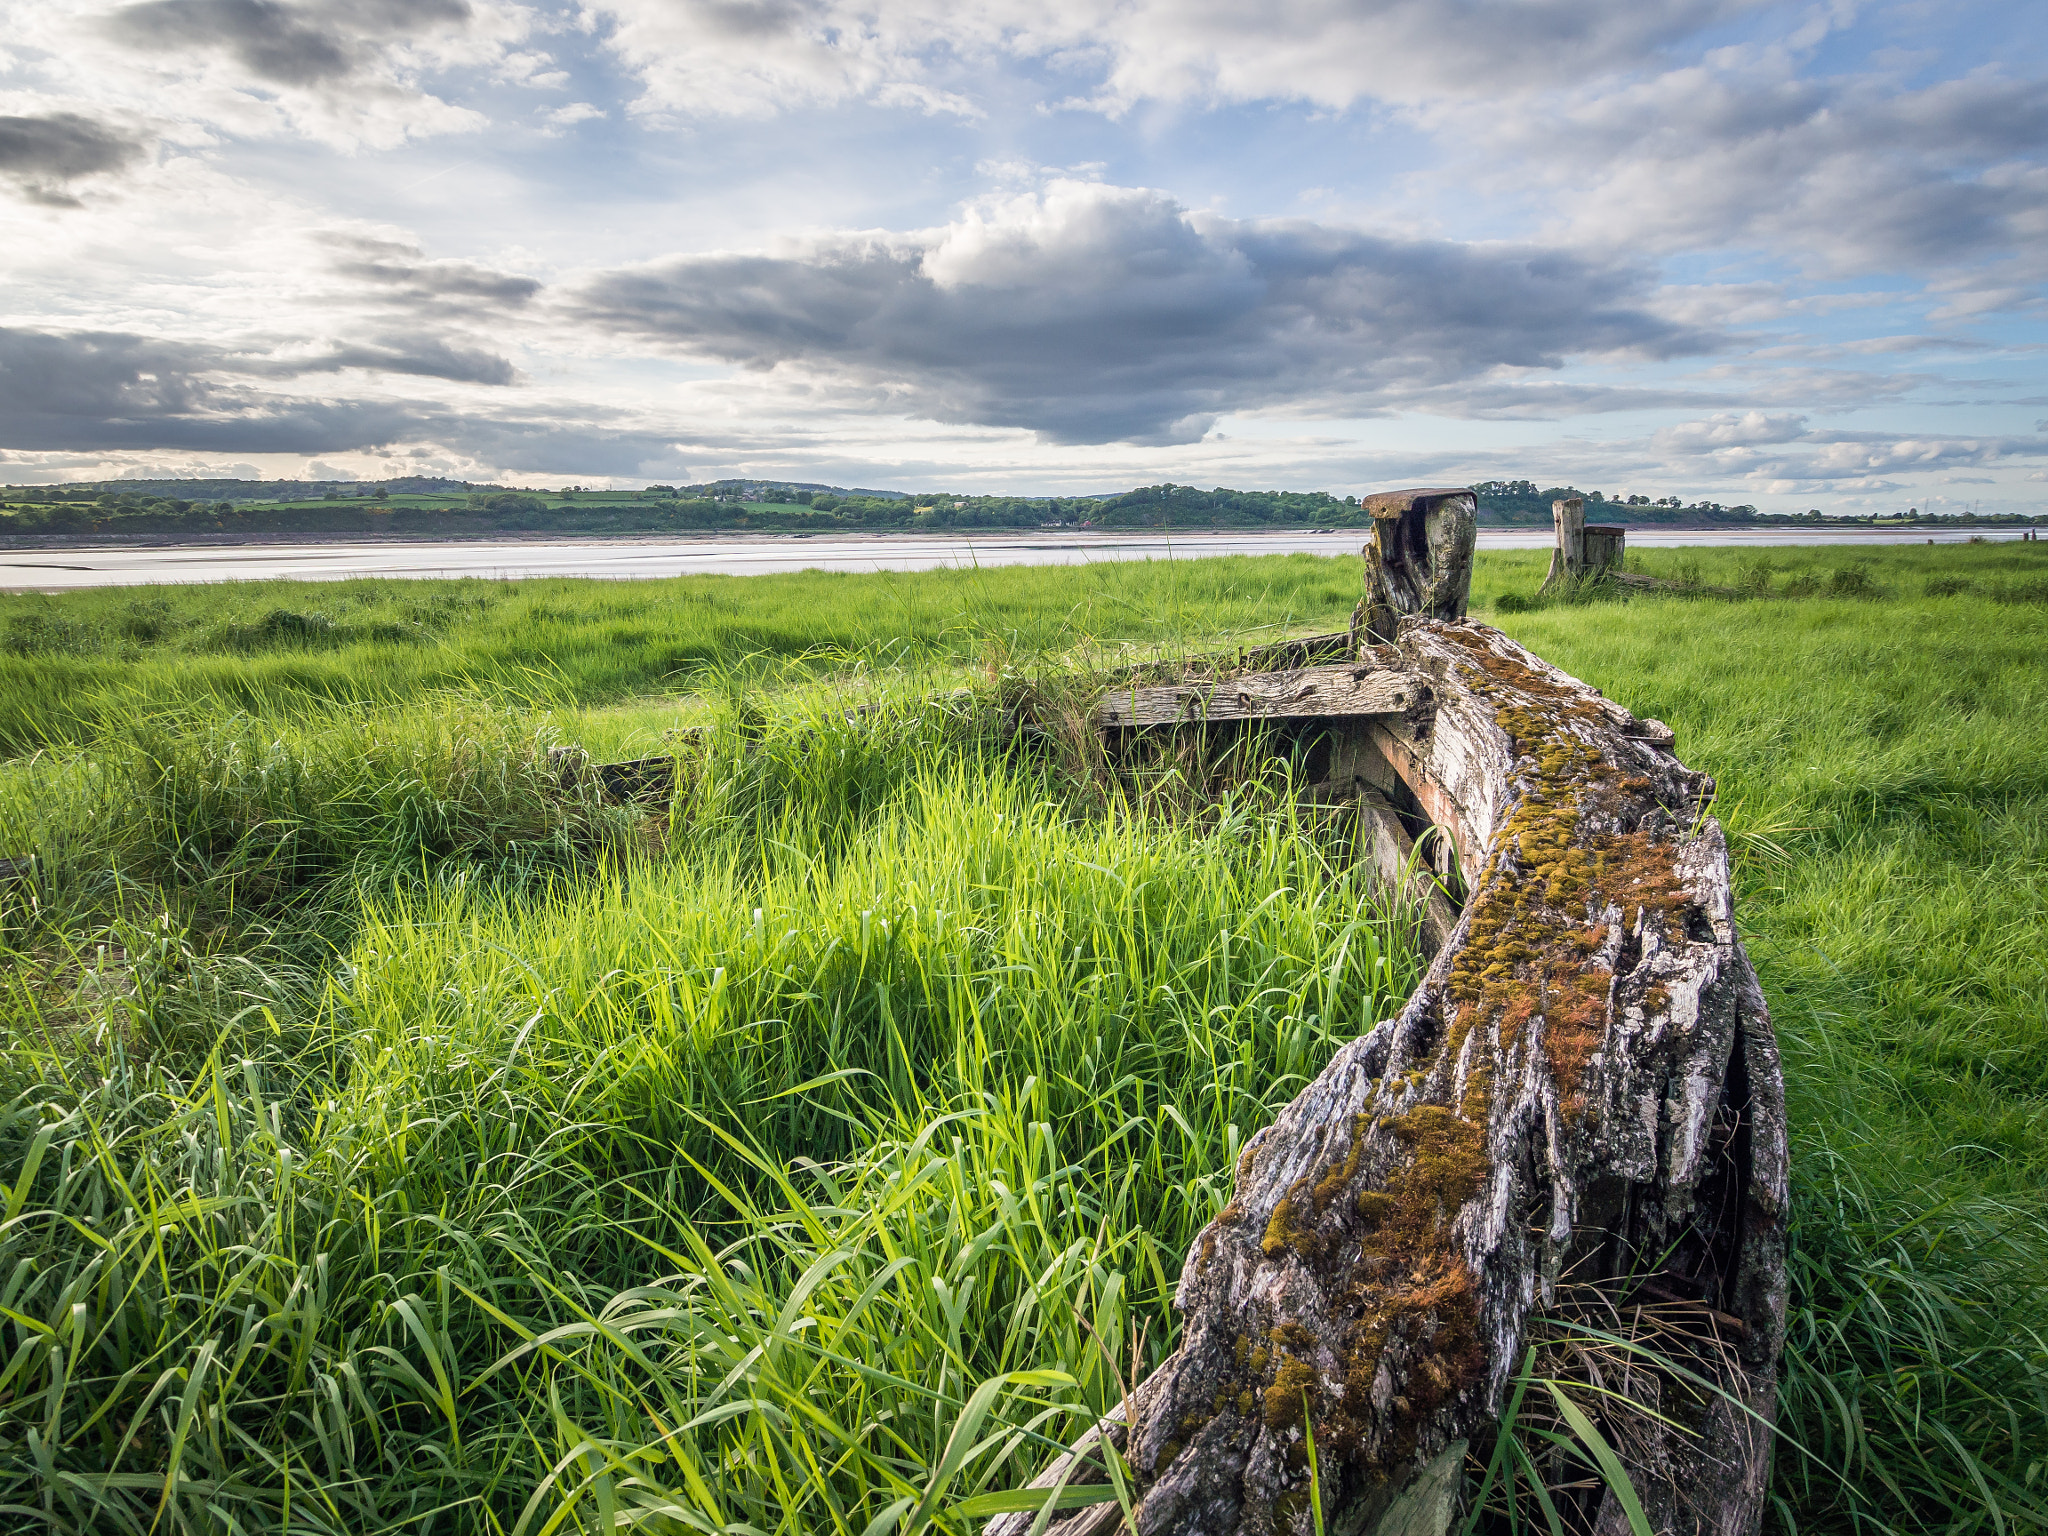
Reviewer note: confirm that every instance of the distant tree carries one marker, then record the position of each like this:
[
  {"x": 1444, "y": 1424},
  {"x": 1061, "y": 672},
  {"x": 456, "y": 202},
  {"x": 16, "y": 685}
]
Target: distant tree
[
  {"x": 508, "y": 502},
  {"x": 380, "y": 494}
]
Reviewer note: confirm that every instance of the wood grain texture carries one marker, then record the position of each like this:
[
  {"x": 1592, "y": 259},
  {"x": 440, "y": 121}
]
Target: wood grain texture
[
  {"x": 1582, "y": 1097},
  {"x": 1418, "y": 559},
  {"x": 1350, "y": 689},
  {"x": 1385, "y": 843}
]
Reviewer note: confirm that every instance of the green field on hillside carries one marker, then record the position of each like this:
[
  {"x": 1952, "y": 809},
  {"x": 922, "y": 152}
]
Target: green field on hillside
[{"x": 398, "y": 1135}]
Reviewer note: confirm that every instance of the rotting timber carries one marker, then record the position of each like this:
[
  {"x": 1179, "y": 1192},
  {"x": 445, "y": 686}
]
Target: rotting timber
[{"x": 1582, "y": 1099}]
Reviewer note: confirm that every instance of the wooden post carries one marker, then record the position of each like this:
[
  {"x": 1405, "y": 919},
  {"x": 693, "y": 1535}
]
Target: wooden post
[
  {"x": 1418, "y": 560},
  {"x": 1604, "y": 545},
  {"x": 1568, "y": 560}
]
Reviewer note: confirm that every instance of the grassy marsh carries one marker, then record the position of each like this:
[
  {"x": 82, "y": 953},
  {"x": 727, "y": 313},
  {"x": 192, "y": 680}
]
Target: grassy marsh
[{"x": 399, "y": 1138}]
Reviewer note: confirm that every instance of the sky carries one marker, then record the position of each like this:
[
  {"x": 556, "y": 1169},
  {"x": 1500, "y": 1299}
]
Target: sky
[{"x": 1785, "y": 255}]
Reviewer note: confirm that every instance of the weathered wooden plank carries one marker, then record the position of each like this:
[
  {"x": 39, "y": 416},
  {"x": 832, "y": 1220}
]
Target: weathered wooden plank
[
  {"x": 1385, "y": 843},
  {"x": 1393, "y": 855},
  {"x": 1309, "y": 692}
]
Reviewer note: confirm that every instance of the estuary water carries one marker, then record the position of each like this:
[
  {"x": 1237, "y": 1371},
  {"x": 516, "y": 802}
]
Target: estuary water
[{"x": 87, "y": 565}]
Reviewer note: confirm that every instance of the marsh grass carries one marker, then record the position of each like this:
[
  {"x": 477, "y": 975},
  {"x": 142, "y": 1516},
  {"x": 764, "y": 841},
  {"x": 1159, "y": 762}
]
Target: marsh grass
[
  {"x": 824, "y": 1166},
  {"x": 239, "y": 819},
  {"x": 74, "y": 666},
  {"x": 399, "y": 1138}
]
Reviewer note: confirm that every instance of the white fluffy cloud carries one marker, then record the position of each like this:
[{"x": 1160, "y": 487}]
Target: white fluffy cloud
[{"x": 1784, "y": 451}]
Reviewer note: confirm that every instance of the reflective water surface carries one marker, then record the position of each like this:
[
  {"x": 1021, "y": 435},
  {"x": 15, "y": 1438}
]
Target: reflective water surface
[{"x": 56, "y": 570}]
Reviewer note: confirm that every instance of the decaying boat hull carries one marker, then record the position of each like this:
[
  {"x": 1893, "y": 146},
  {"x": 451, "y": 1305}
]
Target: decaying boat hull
[{"x": 1577, "y": 1121}]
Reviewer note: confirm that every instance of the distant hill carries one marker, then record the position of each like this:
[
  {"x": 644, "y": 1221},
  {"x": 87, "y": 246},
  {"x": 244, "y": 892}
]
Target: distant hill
[
  {"x": 1519, "y": 504},
  {"x": 226, "y": 511},
  {"x": 256, "y": 490}
]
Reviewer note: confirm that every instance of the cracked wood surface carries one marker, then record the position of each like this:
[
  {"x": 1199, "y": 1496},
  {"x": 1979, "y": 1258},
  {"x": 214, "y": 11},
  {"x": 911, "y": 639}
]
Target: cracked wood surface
[
  {"x": 1582, "y": 1096},
  {"x": 1349, "y": 689}
]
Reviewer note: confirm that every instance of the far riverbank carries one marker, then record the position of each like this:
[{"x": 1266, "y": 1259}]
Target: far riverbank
[{"x": 52, "y": 565}]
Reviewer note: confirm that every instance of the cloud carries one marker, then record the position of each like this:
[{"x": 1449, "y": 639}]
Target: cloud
[
  {"x": 43, "y": 155},
  {"x": 559, "y": 118},
  {"x": 1746, "y": 429},
  {"x": 102, "y": 389},
  {"x": 280, "y": 43},
  {"x": 108, "y": 392},
  {"x": 1847, "y": 176},
  {"x": 428, "y": 358},
  {"x": 1336, "y": 52},
  {"x": 1864, "y": 453},
  {"x": 398, "y": 273},
  {"x": 1785, "y": 451},
  {"x": 114, "y": 389},
  {"x": 721, "y": 57},
  {"x": 1088, "y": 313},
  {"x": 350, "y": 73}
]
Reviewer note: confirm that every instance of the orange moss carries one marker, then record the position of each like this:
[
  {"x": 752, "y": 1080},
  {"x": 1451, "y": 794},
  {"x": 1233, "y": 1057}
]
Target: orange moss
[
  {"x": 1530, "y": 973},
  {"x": 1409, "y": 1284},
  {"x": 1535, "y": 926},
  {"x": 1295, "y": 1385}
]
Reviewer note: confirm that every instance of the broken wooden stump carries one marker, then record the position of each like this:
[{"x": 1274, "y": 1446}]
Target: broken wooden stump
[
  {"x": 1418, "y": 559},
  {"x": 1568, "y": 558},
  {"x": 1583, "y": 549},
  {"x": 1606, "y": 546},
  {"x": 1576, "y": 1120}
]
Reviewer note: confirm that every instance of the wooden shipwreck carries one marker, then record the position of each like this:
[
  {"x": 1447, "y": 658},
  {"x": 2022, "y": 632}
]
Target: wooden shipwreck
[{"x": 1573, "y": 1131}]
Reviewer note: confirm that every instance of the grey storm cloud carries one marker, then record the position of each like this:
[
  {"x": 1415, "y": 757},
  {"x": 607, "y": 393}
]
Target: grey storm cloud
[
  {"x": 114, "y": 389},
  {"x": 109, "y": 391},
  {"x": 284, "y": 44},
  {"x": 43, "y": 155},
  {"x": 1096, "y": 314}
]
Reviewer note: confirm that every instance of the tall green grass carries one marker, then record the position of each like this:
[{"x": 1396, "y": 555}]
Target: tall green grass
[
  {"x": 1882, "y": 763},
  {"x": 75, "y": 665},
  {"x": 733, "y": 1186}
]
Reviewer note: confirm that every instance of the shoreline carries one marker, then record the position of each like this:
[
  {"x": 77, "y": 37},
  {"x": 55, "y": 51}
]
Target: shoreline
[
  {"x": 53, "y": 542},
  {"x": 58, "y": 567}
]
